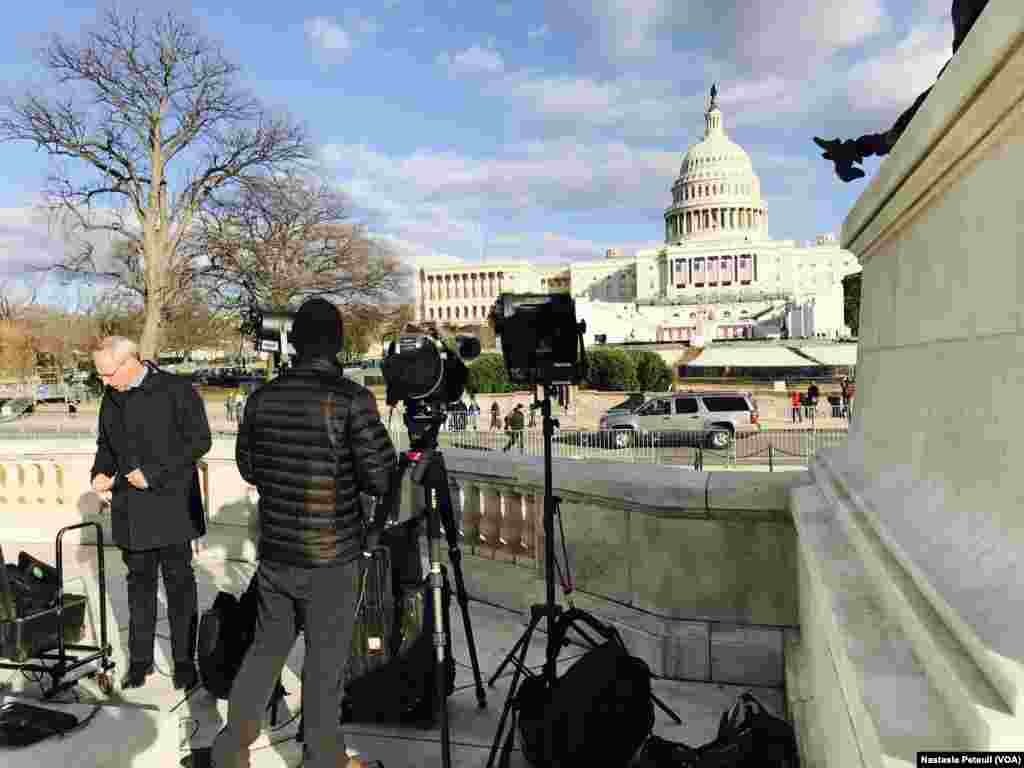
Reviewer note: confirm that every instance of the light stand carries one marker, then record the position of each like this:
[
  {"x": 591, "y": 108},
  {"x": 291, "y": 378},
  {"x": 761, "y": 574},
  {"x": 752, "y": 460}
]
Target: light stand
[{"x": 549, "y": 609}]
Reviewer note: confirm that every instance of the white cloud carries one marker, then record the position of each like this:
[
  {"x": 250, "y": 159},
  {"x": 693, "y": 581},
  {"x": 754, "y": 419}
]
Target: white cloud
[
  {"x": 567, "y": 105},
  {"x": 332, "y": 40},
  {"x": 443, "y": 201},
  {"x": 630, "y": 29},
  {"x": 30, "y": 239},
  {"x": 538, "y": 32},
  {"x": 416, "y": 254},
  {"x": 472, "y": 61},
  {"x": 328, "y": 36},
  {"x": 897, "y": 75},
  {"x": 790, "y": 35}
]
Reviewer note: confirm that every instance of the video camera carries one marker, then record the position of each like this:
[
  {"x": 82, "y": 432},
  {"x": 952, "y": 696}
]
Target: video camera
[
  {"x": 271, "y": 329},
  {"x": 540, "y": 338},
  {"x": 423, "y": 372}
]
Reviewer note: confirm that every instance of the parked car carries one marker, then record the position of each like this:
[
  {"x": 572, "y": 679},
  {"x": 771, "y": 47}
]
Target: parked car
[
  {"x": 713, "y": 417},
  {"x": 629, "y": 405}
]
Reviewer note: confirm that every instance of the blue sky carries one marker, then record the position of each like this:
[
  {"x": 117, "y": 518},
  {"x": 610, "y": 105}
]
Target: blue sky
[{"x": 548, "y": 131}]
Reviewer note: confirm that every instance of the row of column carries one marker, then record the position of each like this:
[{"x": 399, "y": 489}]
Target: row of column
[
  {"x": 695, "y": 222},
  {"x": 473, "y": 312},
  {"x": 34, "y": 483},
  {"x": 501, "y": 522},
  {"x": 684, "y": 333},
  {"x": 462, "y": 286}
]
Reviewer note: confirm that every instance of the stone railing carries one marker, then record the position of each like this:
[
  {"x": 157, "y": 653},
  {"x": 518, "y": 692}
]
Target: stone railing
[
  {"x": 695, "y": 568},
  {"x": 39, "y": 496}
]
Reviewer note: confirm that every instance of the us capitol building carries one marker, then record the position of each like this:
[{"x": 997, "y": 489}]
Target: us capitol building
[{"x": 717, "y": 276}]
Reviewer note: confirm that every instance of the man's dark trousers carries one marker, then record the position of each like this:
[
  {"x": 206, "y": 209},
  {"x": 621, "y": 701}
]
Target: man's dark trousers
[
  {"x": 323, "y": 601},
  {"x": 175, "y": 561}
]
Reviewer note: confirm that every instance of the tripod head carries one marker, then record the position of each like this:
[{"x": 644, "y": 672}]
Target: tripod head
[{"x": 423, "y": 420}]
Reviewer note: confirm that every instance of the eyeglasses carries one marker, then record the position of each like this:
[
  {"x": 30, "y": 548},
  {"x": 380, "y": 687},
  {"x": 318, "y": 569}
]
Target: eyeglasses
[{"x": 103, "y": 375}]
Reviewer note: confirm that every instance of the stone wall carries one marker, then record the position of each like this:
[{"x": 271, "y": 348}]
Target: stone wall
[{"x": 911, "y": 534}]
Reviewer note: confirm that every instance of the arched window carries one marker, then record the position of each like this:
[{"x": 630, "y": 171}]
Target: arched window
[{"x": 431, "y": 313}]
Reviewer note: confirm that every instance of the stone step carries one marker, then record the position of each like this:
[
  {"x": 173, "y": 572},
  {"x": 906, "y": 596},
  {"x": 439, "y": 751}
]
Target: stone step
[
  {"x": 982, "y": 715},
  {"x": 892, "y": 706}
]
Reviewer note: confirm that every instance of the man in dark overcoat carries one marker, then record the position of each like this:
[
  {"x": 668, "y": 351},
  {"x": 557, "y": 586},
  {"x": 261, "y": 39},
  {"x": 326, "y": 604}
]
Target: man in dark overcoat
[{"x": 152, "y": 432}]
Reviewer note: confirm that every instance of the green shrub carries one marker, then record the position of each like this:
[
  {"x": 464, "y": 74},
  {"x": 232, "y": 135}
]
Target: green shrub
[
  {"x": 611, "y": 369},
  {"x": 652, "y": 372},
  {"x": 487, "y": 375}
]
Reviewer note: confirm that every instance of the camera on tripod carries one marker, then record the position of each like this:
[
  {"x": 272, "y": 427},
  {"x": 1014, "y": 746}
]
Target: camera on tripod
[
  {"x": 271, "y": 329},
  {"x": 540, "y": 338},
  {"x": 426, "y": 374}
]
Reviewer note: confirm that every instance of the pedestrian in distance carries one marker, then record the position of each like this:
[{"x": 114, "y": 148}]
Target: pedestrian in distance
[{"x": 516, "y": 422}]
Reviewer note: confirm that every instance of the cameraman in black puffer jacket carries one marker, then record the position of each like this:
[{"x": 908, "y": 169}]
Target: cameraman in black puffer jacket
[{"x": 310, "y": 441}]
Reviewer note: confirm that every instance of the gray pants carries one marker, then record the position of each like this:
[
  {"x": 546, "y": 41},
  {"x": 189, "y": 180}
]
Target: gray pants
[{"x": 322, "y": 600}]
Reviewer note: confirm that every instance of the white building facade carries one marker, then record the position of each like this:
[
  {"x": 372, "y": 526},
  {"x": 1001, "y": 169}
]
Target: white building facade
[{"x": 719, "y": 274}]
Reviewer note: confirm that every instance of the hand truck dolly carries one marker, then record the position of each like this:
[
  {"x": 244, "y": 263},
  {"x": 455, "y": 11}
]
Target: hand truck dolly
[{"x": 49, "y": 635}]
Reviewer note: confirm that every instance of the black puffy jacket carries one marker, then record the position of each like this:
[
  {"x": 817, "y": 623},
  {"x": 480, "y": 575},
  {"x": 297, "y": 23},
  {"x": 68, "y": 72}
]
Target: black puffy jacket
[{"x": 311, "y": 441}]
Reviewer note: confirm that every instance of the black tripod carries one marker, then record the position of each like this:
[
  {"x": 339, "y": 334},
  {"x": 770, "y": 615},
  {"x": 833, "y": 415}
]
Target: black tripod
[
  {"x": 549, "y": 609},
  {"x": 428, "y": 470}
]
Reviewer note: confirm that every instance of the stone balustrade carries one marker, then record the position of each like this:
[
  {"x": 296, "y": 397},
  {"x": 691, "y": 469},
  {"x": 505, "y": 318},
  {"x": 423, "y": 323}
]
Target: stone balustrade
[
  {"x": 693, "y": 567},
  {"x": 48, "y": 494}
]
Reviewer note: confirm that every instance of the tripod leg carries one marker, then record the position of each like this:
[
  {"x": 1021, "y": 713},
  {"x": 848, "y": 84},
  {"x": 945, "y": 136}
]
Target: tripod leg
[
  {"x": 441, "y": 669},
  {"x": 509, "y": 657},
  {"x": 523, "y": 644},
  {"x": 664, "y": 708},
  {"x": 455, "y": 558}
]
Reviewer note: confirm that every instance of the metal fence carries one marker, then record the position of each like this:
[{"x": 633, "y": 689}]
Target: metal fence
[
  {"x": 767, "y": 447},
  {"x": 770, "y": 448}
]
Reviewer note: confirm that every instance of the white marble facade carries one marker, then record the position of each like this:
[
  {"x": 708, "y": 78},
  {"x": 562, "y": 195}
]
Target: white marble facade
[{"x": 718, "y": 267}]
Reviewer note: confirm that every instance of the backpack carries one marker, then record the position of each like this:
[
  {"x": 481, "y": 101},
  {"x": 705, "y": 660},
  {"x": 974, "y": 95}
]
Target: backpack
[
  {"x": 226, "y": 631},
  {"x": 600, "y": 712},
  {"x": 748, "y": 737},
  {"x": 401, "y": 685}
]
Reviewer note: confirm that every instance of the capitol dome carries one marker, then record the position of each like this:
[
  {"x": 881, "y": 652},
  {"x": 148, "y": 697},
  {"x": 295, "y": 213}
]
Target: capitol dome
[{"x": 717, "y": 192}]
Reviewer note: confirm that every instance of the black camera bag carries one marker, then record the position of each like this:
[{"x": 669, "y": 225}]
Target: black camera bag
[
  {"x": 599, "y": 712},
  {"x": 748, "y": 737},
  {"x": 226, "y": 631}
]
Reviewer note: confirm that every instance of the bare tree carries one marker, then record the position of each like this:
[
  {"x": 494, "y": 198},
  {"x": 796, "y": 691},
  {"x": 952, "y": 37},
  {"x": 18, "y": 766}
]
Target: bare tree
[
  {"x": 154, "y": 111},
  {"x": 115, "y": 311},
  {"x": 13, "y": 301},
  {"x": 275, "y": 240},
  {"x": 195, "y": 325},
  {"x": 17, "y": 352}
]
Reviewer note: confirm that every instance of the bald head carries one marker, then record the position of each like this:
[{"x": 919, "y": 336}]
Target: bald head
[{"x": 117, "y": 362}]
